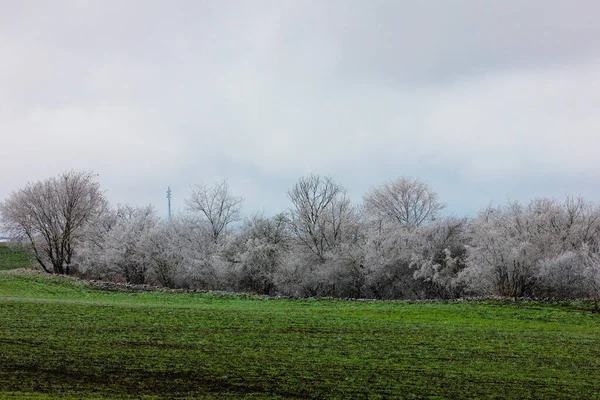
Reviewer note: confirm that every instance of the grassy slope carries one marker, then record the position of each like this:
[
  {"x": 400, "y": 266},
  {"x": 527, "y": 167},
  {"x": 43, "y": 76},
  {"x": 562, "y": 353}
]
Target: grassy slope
[
  {"x": 59, "y": 336},
  {"x": 13, "y": 257}
]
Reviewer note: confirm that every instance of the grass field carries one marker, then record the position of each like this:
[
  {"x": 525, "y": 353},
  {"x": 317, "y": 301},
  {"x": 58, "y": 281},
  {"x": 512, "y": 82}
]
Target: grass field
[
  {"x": 59, "y": 337},
  {"x": 13, "y": 257}
]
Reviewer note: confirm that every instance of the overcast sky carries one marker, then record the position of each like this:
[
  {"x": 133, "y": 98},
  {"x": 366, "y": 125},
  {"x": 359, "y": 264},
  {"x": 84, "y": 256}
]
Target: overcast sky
[{"x": 485, "y": 101}]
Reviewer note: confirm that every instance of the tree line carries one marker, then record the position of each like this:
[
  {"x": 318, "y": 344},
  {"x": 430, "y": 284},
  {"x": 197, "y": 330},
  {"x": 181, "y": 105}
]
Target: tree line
[{"x": 396, "y": 244}]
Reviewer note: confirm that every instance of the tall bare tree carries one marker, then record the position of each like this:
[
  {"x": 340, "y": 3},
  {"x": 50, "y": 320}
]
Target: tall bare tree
[
  {"x": 216, "y": 205},
  {"x": 322, "y": 216},
  {"x": 51, "y": 214},
  {"x": 408, "y": 202}
]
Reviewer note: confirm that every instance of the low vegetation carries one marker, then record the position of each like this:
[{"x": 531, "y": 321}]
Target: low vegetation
[
  {"x": 12, "y": 257},
  {"x": 60, "y": 337}
]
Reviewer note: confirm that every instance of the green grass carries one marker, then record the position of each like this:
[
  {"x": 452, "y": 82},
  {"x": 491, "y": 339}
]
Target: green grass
[
  {"x": 59, "y": 337},
  {"x": 12, "y": 257}
]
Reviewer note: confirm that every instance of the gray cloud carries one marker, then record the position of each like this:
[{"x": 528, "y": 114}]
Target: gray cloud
[{"x": 485, "y": 100}]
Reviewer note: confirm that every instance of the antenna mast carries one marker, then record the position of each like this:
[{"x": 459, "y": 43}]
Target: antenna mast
[{"x": 169, "y": 200}]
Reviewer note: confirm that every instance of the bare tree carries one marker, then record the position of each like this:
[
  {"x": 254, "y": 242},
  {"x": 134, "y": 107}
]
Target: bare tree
[
  {"x": 408, "y": 202},
  {"x": 216, "y": 205},
  {"x": 322, "y": 216},
  {"x": 51, "y": 214}
]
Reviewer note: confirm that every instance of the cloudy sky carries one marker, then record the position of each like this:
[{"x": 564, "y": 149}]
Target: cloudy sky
[{"x": 486, "y": 101}]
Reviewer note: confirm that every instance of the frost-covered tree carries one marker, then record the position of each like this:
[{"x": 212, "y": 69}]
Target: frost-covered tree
[
  {"x": 162, "y": 248},
  {"x": 200, "y": 267},
  {"x": 439, "y": 257},
  {"x": 132, "y": 244},
  {"x": 52, "y": 214},
  {"x": 321, "y": 220},
  {"x": 569, "y": 274},
  {"x": 256, "y": 253},
  {"x": 404, "y": 255},
  {"x": 512, "y": 245},
  {"x": 216, "y": 206},
  {"x": 505, "y": 252},
  {"x": 125, "y": 247},
  {"x": 388, "y": 260},
  {"x": 90, "y": 259},
  {"x": 321, "y": 216},
  {"x": 403, "y": 201}
]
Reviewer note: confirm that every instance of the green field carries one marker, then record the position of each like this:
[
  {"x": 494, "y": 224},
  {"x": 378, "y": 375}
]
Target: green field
[
  {"x": 59, "y": 337},
  {"x": 12, "y": 257}
]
